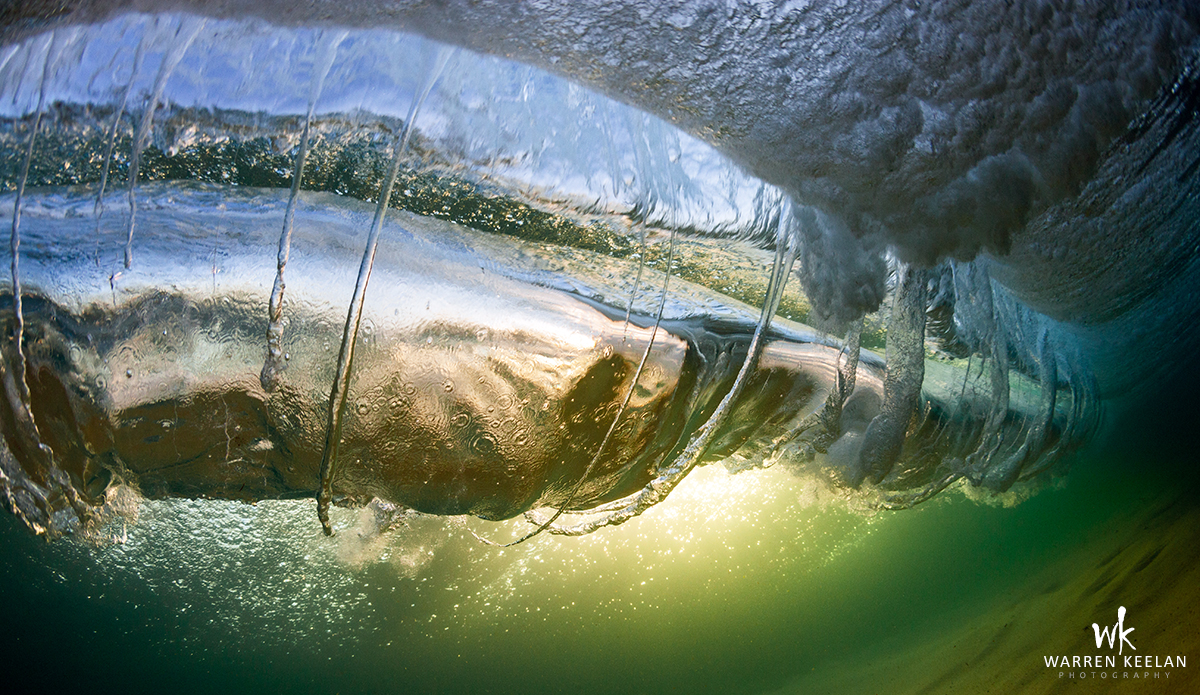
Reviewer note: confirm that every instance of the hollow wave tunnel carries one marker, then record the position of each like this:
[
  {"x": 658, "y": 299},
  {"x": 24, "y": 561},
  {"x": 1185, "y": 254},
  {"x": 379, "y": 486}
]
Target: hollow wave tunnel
[{"x": 566, "y": 266}]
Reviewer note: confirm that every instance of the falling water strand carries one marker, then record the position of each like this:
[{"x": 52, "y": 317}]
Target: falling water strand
[
  {"x": 341, "y": 377},
  {"x": 885, "y": 435},
  {"x": 637, "y": 375},
  {"x": 9, "y": 52},
  {"x": 26, "y": 497},
  {"x": 992, "y": 437},
  {"x": 667, "y": 478},
  {"x": 274, "y": 364},
  {"x": 1085, "y": 413},
  {"x": 189, "y": 27},
  {"x": 847, "y": 373},
  {"x": 826, "y": 421},
  {"x": 644, "y": 206},
  {"x": 98, "y": 210},
  {"x": 15, "y": 239},
  {"x": 637, "y": 280},
  {"x": 1002, "y": 476},
  {"x": 15, "y": 385}
]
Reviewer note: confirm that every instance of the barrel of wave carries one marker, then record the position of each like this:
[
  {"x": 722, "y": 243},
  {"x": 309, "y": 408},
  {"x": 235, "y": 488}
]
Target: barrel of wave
[{"x": 473, "y": 391}]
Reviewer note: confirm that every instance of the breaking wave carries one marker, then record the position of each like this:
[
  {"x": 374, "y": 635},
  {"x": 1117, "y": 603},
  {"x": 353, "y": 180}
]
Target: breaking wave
[{"x": 493, "y": 291}]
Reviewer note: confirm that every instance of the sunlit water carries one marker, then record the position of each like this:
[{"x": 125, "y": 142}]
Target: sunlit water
[{"x": 745, "y": 583}]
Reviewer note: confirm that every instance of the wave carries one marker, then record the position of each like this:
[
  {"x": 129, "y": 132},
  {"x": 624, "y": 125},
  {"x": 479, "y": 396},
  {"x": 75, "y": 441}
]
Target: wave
[{"x": 1022, "y": 214}]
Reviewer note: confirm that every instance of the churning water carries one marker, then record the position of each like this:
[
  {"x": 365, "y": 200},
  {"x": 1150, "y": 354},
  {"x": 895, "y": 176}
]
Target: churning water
[{"x": 743, "y": 348}]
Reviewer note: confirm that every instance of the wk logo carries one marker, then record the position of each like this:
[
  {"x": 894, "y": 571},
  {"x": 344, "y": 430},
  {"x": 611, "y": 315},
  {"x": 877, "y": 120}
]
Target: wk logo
[{"x": 1112, "y": 634}]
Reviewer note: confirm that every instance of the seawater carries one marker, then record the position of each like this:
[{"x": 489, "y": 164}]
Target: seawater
[
  {"x": 737, "y": 583},
  {"x": 756, "y": 582}
]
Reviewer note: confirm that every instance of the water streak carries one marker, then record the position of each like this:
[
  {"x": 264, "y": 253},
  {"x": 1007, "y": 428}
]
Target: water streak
[
  {"x": 1000, "y": 477},
  {"x": 98, "y": 211},
  {"x": 905, "y": 373},
  {"x": 341, "y": 379},
  {"x": 274, "y": 364},
  {"x": 15, "y": 385},
  {"x": 824, "y": 425},
  {"x": 637, "y": 375},
  {"x": 991, "y": 441},
  {"x": 667, "y": 478},
  {"x": 15, "y": 239},
  {"x": 188, "y": 28}
]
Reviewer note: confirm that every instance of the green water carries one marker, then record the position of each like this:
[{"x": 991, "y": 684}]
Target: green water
[{"x": 748, "y": 583}]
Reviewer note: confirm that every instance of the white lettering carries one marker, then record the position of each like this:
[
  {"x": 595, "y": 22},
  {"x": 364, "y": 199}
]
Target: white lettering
[{"x": 1111, "y": 634}]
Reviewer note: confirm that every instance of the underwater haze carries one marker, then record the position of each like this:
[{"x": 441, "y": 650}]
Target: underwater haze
[{"x": 745, "y": 347}]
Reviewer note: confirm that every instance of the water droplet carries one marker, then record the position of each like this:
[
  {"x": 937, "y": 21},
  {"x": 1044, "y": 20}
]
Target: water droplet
[
  {"x": 484, "y": 444},
  {"x": 128, "y": 373},
  {"x": 448, "y": 386}
]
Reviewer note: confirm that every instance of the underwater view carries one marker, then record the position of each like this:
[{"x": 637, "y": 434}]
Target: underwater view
[{"x": 490, "y": 346}]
